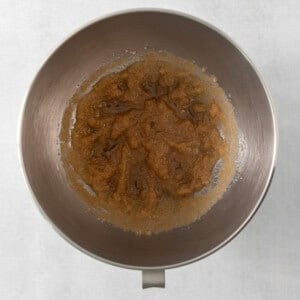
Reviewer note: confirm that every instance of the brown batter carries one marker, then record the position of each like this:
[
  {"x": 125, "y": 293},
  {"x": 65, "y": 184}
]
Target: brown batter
[{"x": 144, "y": 141}]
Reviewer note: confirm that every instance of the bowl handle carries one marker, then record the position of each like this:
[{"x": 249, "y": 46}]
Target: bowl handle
[{"x": 153, "y": 278}]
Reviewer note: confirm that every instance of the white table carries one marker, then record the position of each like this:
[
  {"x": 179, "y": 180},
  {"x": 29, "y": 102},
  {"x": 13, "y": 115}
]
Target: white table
[{"x": 263, "y": 262}]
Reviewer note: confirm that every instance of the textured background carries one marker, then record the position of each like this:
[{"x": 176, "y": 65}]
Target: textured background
[{"x": 263, "y": 262}]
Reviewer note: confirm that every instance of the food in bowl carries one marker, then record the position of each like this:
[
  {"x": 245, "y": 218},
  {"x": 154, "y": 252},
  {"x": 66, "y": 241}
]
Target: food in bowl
[{"x": 150, "y": 146}]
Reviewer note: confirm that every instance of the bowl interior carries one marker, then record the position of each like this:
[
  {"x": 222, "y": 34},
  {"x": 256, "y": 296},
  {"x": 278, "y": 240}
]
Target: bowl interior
[{"x": 79, "y": 57}]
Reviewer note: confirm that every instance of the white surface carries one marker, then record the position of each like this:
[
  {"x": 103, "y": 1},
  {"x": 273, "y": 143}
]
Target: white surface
[{"x": 263, "y": 262}]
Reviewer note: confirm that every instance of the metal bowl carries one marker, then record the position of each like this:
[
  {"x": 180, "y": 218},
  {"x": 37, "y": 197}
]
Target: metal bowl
[{"x": 77, "y": 58}]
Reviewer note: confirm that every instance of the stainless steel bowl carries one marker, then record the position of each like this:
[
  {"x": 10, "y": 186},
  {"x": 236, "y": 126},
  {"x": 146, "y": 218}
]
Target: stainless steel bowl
[{"x": 77, "y": 58}]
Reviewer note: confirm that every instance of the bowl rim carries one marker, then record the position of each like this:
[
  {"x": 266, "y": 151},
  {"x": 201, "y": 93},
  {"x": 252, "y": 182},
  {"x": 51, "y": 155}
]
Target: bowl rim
[{"x": 230, "y": 40}]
